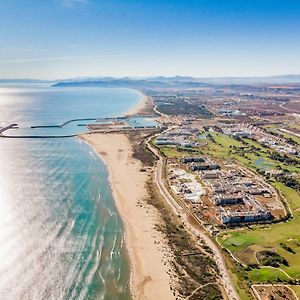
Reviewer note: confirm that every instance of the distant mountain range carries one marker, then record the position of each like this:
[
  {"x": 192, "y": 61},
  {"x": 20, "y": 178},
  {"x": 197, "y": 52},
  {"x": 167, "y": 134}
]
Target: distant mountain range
[
  {"x": 277, "y": 79},
  {"x": 133, "y": 83},
  {"x": 163, "y": 82},
  {"x": 178, "y": 81}
]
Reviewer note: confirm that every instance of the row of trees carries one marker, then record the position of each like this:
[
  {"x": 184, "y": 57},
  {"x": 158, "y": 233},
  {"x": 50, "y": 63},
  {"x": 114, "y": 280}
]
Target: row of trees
[
  {"x": 288, "y": 181},
  {"x": 285, "y": 159}
]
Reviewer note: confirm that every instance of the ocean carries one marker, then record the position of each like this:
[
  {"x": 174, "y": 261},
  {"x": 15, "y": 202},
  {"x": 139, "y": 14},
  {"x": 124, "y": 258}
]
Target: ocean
[{"x": 60, "y": 234}]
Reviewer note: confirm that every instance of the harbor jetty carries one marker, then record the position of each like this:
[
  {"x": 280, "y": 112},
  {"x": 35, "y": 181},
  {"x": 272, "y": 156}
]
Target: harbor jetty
[{"x": 97, "y": 125}]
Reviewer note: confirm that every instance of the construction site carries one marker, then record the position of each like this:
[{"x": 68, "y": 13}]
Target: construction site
[
  {"x": 184, "y": 137},
  {"x": 224, "y": 194}
]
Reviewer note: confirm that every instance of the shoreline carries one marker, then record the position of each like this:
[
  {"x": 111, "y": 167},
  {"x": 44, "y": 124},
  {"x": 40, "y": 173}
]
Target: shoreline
[
  {"x": 138, "y": 107},
  {"x": 149, "y": 278},
  {"x": 149, "y": 270}
]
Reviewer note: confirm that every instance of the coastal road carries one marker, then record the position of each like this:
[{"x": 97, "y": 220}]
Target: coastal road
[{"x": 197, "y": 231}]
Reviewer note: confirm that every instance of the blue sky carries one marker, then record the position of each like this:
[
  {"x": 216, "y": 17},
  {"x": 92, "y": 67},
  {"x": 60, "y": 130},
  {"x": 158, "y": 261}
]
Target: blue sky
[{"x": 69, "y": 38}]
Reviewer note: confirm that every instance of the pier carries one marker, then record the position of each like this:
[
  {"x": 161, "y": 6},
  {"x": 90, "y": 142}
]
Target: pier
[
  {"x": 11, "y": 126},
  {"x": 105, "y": 119},
  {"x": 96, "y": 127},
  {"x": 63, "y": 124}
]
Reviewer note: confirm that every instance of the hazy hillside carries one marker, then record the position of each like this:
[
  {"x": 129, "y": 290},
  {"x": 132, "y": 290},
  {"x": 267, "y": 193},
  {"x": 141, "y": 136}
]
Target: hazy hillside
[{"x": 177, "y": 81}]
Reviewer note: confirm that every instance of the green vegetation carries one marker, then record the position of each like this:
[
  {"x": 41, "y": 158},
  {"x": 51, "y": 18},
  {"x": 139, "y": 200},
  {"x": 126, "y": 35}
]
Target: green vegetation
[
  {"x": 288, "y": 181},
  {"x": 178, "y": 151},
  {"x": 271, "y": 258},
  {"x": 287, "y": 248},
  {"x": 248, "y": 152},
  {"x": 265, "y": 275},
  {"x": 237, "y": 275},
  {"x": 179, "y": 106},
  {"x": 284, "y": 158},
  {"x": 283, "y": 237},
  {"x": 292, "y": 139}
]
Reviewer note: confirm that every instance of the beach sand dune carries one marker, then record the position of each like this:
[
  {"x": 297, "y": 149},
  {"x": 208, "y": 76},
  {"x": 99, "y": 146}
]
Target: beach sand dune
[{"x": 149, "y": 278}]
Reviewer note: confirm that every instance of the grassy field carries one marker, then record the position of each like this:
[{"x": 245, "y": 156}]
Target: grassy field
[
  {"x": 171, "y": 152},
  {"x": 266, "y": 275},
  {"x": 250, "y": 153},
  {"x": 174, "y": 152}
]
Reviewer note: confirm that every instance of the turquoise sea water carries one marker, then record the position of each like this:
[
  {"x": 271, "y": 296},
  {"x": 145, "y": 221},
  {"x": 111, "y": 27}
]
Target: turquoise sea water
[{"x": 60, "y": 234}]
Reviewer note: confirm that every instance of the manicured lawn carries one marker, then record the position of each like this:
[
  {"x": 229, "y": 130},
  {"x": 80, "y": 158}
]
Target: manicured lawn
[
  {"x": 265, "y": 275},
  {"x": 226, "y": 141},
  {"x": 238, "y": 240}
]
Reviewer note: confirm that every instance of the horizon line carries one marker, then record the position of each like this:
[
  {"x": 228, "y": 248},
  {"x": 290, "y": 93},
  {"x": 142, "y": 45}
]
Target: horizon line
[{"x": 149, "y": 77}]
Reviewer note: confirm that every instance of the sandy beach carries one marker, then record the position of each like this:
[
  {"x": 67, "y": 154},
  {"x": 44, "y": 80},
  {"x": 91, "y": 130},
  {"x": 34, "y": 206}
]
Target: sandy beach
[
  {"x": 139, "y": 107},
  {"x": 149, "y": 278}
]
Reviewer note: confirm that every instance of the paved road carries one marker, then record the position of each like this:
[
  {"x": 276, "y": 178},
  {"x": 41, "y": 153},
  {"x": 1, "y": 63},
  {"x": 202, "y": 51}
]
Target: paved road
[{"x": 196, "y": 230}]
